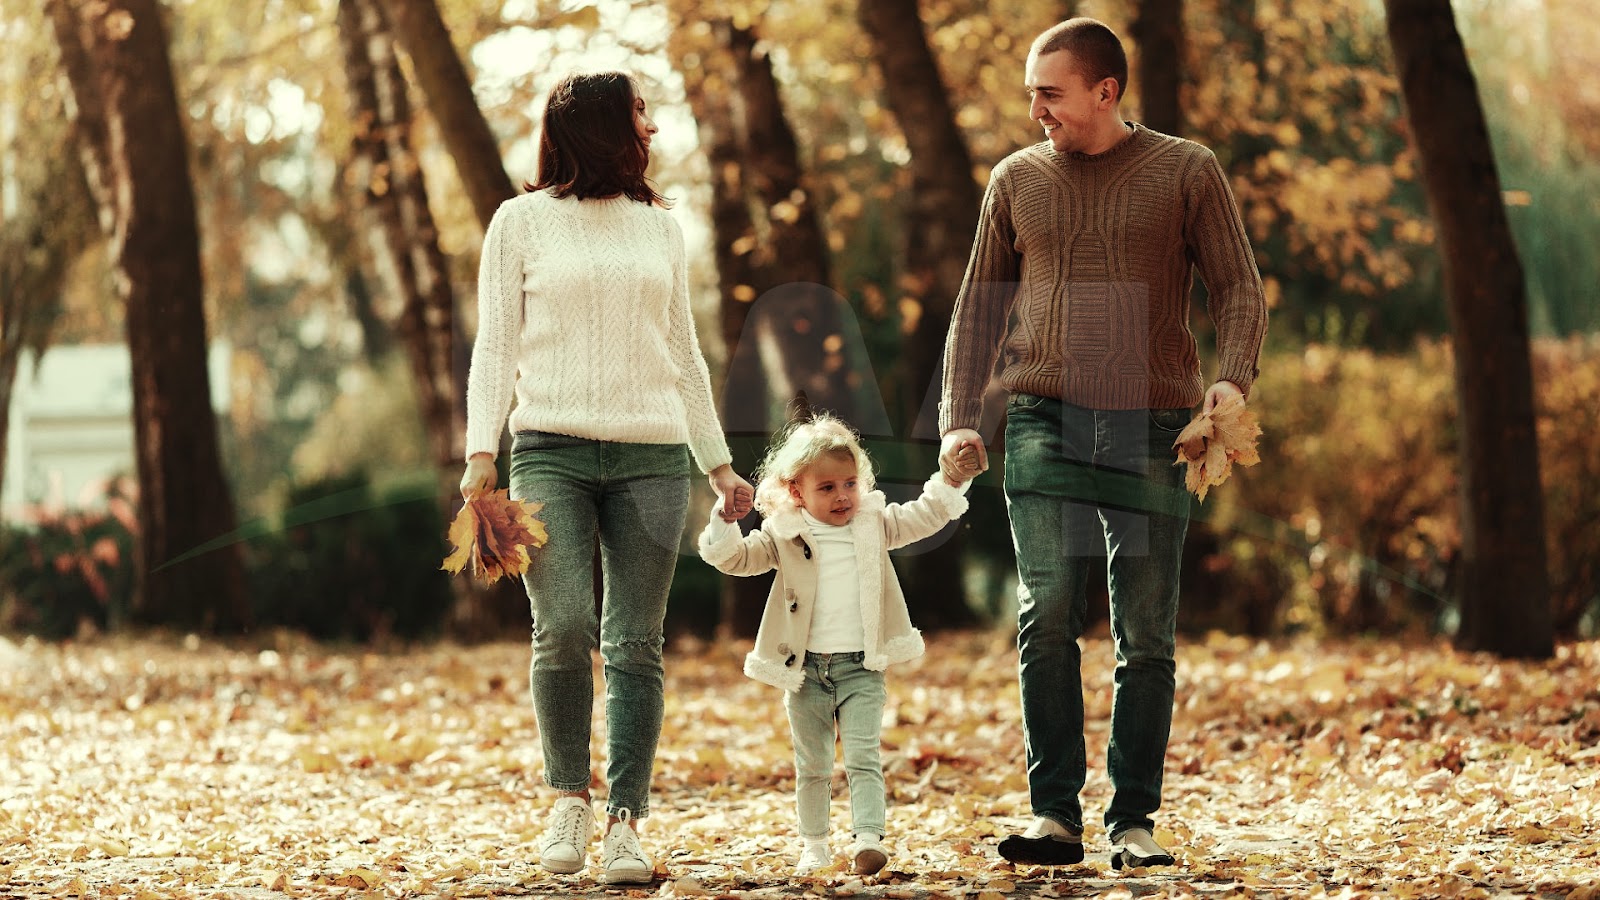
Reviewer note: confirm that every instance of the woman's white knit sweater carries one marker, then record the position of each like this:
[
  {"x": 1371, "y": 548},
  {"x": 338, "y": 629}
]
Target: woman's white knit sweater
[{"x": 583, "y": 317}]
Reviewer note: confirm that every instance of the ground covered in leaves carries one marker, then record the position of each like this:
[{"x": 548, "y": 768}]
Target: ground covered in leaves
[{"x": 182, "y": 768}]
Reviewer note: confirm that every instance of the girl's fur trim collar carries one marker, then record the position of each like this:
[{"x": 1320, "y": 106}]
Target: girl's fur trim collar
[{"x": 787, "y": 523}]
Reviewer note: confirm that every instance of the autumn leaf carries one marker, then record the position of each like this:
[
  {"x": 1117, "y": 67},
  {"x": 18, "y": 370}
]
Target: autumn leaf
[
  {"x": 1214, "y": 441},
  {"x": 494, "y": 533},
  {"x": 337, "y": 742}
]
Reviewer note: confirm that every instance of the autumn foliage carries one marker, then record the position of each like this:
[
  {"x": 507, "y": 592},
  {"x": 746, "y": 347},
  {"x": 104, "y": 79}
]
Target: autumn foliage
[
  {"x": 1215, "y": 440},
  {"x": 1353, "y": 526},
  {"x": 495, "y": 534},
  {"x": 187, "y": 769}
]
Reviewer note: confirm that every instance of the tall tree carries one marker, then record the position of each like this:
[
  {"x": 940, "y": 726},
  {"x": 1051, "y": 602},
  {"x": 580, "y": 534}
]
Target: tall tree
[
  {"x": 801, "y": 314},
  {"x": 413, "y": 265},
  {"x": 114, "y": 56},
  {"x": 781, "y": 319},
  {"x": 940, "y": 219},
  {"x": 422, "y": 33},
  {"x": 1505, "y": 597},
  {"x": 1158, "y": 29},
  {"x": 702, "y": 56},
  {"x": 734, "y": 240}
]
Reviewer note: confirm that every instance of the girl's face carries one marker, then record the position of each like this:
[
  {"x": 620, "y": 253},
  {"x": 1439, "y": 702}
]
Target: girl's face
[{"x": 828, "y": 489}]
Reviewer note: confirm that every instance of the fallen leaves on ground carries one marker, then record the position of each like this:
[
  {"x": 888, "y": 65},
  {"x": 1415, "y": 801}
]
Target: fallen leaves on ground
[
  {"x": 1214, "y": 441},
  {"x": 495, "y": 534},
  {"x": 161, "y": 769}
]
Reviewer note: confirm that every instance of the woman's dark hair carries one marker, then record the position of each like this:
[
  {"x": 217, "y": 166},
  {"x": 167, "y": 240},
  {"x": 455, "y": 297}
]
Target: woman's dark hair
[{"x": 589, "y": 146}]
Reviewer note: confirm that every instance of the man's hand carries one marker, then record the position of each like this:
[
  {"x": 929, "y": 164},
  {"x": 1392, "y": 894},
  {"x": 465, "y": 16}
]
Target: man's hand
[
  {"x": 962, "y": 455},
  {"x": 735, "y": 496},
  {"x": 1219, "y": 392},
  {"x": 480, "y": 476}
]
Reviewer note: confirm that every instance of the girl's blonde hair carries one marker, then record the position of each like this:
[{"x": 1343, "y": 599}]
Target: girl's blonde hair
[{"x": 798, "y": 446}]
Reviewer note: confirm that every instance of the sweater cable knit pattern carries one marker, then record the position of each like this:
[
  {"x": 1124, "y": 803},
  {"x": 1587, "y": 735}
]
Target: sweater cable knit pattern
[
  {"x": 584, "y": 320},
  {"x": 1096, "y": 256}
]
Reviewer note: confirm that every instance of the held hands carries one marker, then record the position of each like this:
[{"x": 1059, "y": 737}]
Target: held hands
[
  {"x": 735, "y": 496},
  {"x": 480, "y": 476},
  {"x": 962, "y": 456}
]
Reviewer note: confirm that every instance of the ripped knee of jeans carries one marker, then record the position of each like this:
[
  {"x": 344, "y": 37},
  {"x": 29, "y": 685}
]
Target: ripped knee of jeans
[{"x": 637, "y": 654}]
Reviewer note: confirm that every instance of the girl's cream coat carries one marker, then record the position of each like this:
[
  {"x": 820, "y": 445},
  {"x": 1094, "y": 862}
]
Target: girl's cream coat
[{"x": 784, "y": 542}]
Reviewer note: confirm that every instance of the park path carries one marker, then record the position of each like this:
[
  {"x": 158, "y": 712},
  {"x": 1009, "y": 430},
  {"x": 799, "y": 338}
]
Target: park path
[{"x": 178, "y": 768}]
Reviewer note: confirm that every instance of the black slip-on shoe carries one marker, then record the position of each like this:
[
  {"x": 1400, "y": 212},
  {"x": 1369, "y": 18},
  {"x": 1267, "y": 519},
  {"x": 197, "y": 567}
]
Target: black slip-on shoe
[
  {"x": 1045, "y": 843},
  {"x": 1136, "y": 848}
]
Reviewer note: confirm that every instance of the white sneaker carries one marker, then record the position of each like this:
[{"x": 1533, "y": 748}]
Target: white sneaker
[
  {"x": 1137, "y": 848},
  {"x": 814, "y": 855},
  {"x": 566, "y": 836},
  {"x": 867, "y": 854},
  {"x": 624, "y": 860}
]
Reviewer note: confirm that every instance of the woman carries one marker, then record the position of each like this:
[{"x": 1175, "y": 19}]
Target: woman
[{"x": 584, "y": 319}]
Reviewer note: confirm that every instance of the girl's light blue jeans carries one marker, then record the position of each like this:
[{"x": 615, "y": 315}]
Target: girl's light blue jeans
[
  {"x": 838, "y": 690},
  {"x": 633, "y": 500}
]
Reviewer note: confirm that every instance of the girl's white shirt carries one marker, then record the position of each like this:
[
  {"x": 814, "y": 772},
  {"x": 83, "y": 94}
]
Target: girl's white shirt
[
  {"x": 836, "y": 618},
  {"x": 584, "y": 320}
]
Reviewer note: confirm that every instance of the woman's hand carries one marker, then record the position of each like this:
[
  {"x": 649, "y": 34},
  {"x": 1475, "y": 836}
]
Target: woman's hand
[
  {"x": 480, "y": 476},
  {"x": 736, "y": 494}
]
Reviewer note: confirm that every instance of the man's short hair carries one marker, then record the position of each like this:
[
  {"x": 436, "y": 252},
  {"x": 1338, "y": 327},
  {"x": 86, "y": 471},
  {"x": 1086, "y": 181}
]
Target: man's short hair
[{"x": 1093, "y": 45}]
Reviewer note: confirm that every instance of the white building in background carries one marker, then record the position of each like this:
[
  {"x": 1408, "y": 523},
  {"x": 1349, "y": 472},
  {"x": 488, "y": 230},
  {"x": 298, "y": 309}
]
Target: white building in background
[{"x": 72, "y": 424}]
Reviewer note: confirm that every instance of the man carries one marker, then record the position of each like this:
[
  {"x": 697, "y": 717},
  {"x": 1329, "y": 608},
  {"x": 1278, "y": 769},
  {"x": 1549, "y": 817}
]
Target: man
[{"x": 1091, "y": 238}]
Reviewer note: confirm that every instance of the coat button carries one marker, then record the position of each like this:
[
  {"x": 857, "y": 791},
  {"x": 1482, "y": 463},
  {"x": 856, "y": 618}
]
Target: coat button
[
  {"x": 807, "y": 550},
  {"x": 790, "y": 660},
  {"x": 793, "y": 606}
]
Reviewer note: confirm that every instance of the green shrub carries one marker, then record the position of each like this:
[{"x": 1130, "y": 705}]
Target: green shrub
[{"x": 362, "y": 574}]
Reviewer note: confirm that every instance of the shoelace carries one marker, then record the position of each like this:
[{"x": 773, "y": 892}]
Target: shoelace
[
  {"x": 568, "y": 827},
  {"x": 625, "y": 843}
]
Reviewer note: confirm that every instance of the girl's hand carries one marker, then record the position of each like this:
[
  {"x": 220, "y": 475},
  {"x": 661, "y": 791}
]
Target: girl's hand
[
  {"x": 735, "y": 496},
  {"x": 962, "y": 455},
  {"x": 962, "y": 465},
  {"x": 480, "y": 476}
]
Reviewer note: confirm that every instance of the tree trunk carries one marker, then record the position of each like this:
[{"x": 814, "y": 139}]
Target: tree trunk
[
  {"x": 800, "y": 312},
  {"x": 1158, "y": 29},
  {"x": 415, "y": 269},
  {"x": 115, "y": 57},
  {"x": 1505, "y": 601},
  {"x": 745, "y": 397},
  {"x": 1241, "y": 27},
  {"x": 940, "y": 221},
  {"x": 444, "y": 81},
  {"x": 340, "y": 230}
]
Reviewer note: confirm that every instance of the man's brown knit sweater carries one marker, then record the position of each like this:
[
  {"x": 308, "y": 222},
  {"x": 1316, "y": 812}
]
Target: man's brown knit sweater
[{"x": 1096, "y": 255}]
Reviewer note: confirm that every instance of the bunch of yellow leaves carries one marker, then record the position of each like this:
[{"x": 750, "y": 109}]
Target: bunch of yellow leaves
[
  {"x": 495, "y": 533},
  {"x": 1214, "y": 441}
]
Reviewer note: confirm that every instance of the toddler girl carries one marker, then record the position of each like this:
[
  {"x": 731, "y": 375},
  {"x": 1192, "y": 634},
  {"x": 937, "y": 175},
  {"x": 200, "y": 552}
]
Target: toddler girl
[{"x": 835, "y": 618}]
